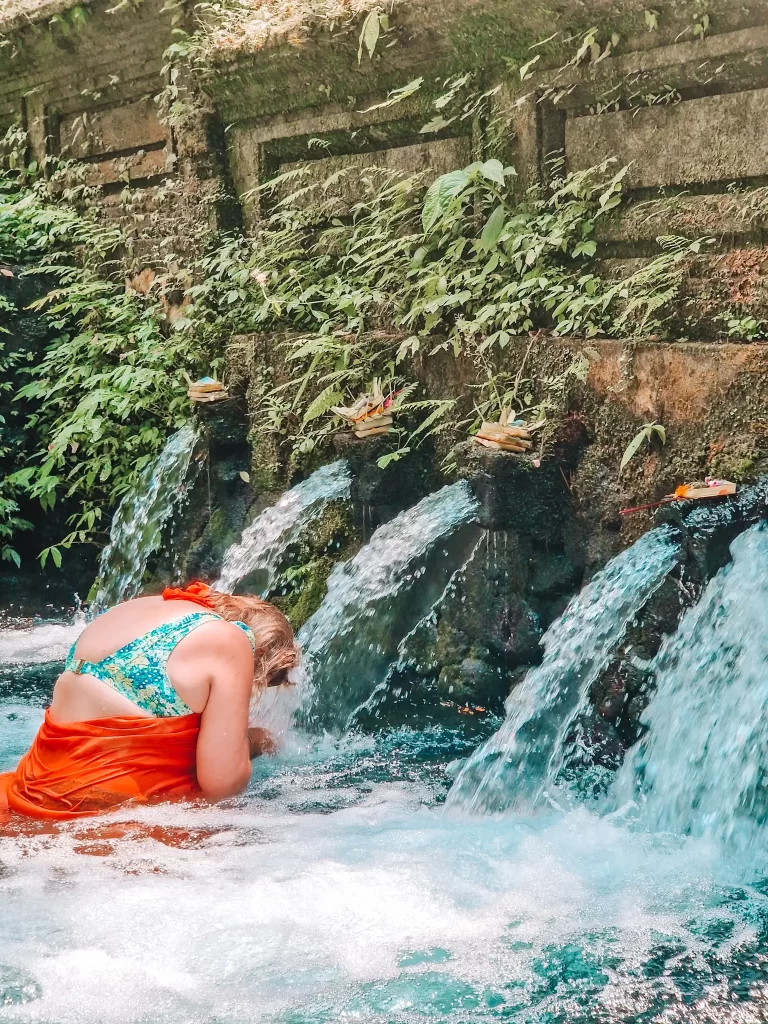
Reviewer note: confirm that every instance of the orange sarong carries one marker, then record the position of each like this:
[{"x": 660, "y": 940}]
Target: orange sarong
[{"x": 82, "y": 769}]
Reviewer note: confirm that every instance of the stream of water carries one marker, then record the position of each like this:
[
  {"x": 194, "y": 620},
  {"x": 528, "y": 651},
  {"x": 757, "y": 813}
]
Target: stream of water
[
  {"x": 352, "y": 639},
  {"x": 701, "y": 766},
  {"x": 518, "y": 766},
  {"x": 137, "y": 526},
  {"x": 257, "y": 554}
]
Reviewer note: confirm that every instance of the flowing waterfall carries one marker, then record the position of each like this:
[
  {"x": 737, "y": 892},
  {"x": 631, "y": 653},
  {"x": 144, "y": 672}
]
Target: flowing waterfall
[
  {"x": 266, "y": 539},
  {"x": 701, "y": 766},
  {"x": 138, "y": 522},
  {"x": 352, "y": 639},
  {"x": 404, "y": 658},
  {"x": 517, "y": 765}
]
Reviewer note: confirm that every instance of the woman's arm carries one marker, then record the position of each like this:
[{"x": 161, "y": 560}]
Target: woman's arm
[{"x": 223, "y": 746}]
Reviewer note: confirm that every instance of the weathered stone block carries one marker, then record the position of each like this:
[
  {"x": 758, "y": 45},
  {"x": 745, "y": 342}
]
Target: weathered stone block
[
  {"x": 428, "y": 158},
  {"x": 137, "y": 167},
  {"x": 117, "y": 129},
  {"x": 712, "y": 139}
]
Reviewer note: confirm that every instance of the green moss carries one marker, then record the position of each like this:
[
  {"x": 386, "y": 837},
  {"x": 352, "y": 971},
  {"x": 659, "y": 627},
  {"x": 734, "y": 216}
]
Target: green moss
[
  {"x": 307, "y": 592},
  {"x": 303, "y": 577},
  {"x": 738, "y": 458},
  {"x": 266, "y": 468}
]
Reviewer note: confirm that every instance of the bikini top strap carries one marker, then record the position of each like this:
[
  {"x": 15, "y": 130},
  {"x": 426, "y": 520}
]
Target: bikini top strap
[
  {"x": 165, "y": 636},
  {"x": 248, "y": 632}
]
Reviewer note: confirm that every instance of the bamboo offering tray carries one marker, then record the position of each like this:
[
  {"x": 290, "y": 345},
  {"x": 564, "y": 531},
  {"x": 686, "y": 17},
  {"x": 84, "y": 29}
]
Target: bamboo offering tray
[
  {"x": 207, "y": 390},
  {"x": 370, "y": 415},
  {"x": 506, "y": 437},
  {"x": 690, "y": 492},
  {"x": 697, "y": 492}
]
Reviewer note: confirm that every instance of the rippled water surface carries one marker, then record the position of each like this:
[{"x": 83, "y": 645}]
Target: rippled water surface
[{"x": 339, "y": 889}]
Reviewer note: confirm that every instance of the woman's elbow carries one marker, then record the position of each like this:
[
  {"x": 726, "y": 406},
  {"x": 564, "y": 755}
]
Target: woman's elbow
[{"x": 219, "y": 788}]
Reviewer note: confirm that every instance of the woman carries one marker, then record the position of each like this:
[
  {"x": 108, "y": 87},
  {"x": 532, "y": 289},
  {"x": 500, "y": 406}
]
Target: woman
[{"x": 153, "y": 705}]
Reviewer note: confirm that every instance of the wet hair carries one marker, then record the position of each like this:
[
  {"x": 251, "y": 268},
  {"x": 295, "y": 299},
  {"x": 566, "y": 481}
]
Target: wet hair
[{"x": 276, "y": 650}]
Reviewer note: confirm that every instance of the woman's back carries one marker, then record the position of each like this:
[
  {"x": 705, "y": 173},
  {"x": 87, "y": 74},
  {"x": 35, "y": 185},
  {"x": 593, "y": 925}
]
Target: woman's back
[{"x": 180, "y": 634}]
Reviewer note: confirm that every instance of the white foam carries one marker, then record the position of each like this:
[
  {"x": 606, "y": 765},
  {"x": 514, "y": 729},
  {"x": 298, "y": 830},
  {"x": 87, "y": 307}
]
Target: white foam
[
  {"x": 258, "y": 912},
  {"x": 40, "y": 643}
]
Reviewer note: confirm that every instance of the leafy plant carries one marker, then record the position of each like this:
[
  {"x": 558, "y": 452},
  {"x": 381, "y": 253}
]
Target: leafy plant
[
  {"x": 744, "y": 328},
  {"x": 464, "y": 263},
  {"x": 110, "y": 384},
  {"x": 374, "y": 23},
  {"x": 353, "y": 277},
  {"x": 645, "y": 434}
]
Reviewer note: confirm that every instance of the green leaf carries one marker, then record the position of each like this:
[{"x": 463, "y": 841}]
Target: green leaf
[
  {"x": 659, "y": 429},
  {"x": 397, "y": 95},
  {"x": 11, "y": 555},
  {"x": 493, "y": 227},
  {"x": 525, "y": 70},
  {"x": 493, "y": 170},
  {"x": 437, "y": 413},
  {"x": 408, "y": 347},
  {"x": 328, "y": 397},
  {"x": 369, "y": 35},
  {"x": 585, "y": 248},
  {"x": 385, "y": 460},
  {"x": 439, "y": 195},
  {"x": 634, "y": 446},
  {"x": 436, "y": 124}
]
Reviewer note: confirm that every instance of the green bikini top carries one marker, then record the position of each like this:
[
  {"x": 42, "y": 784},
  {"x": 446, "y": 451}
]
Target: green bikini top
[{"x": 139, "y": 670}]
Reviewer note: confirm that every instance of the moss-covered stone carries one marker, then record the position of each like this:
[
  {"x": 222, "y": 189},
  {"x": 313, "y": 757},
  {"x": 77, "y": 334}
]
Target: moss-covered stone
[{"x": 306, "y": 566}]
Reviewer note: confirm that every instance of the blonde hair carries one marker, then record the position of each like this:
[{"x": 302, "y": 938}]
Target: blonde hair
[{"x": 276, "y": 650}]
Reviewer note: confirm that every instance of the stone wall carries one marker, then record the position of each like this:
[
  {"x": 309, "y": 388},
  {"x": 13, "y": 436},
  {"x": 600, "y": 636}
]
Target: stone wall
[
  {"x": 712, "y": 400},
  {"x": 684, "y": 103},
  {"x": 86, "y": 82}
]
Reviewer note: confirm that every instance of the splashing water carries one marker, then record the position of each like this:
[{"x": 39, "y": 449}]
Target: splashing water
[
  {"x": 336, "y": 890},
  {"x": 520, "y": 763},
  {"x": 39, "y": 643},
  {"x": 351, "y": 640},
  {"x": 264, "y": 542},
  {"x": 139, "y": 520},
  {"x": 405, "y": 660},
  {"x": 701, "y": 766}
]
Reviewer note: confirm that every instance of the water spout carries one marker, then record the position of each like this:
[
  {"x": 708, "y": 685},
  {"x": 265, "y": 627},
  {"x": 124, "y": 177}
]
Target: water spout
[
  {"x": 352, "y": 639},
  {"x": 139, "y": 520},
  {"x": 701, "y": 766},
  {"x": 263, "y": 543},
  {"x": 515, "y": 768}
]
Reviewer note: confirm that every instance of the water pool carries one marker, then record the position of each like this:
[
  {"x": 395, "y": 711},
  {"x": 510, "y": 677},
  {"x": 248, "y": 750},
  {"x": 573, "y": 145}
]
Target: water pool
[{"x": 338, "y": 889}]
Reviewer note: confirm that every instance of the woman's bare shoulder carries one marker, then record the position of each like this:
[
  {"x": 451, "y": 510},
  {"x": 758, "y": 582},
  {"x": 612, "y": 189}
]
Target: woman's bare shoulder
[{"x": 225, "y": 644}]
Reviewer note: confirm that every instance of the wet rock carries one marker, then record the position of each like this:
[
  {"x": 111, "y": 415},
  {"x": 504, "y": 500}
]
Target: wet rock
[
  {"x": 218, "y": 503},
  {"x": 380, "y": 494}
]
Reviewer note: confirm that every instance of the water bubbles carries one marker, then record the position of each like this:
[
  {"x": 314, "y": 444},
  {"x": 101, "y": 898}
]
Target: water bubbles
[{"x": 17, "y": 987}]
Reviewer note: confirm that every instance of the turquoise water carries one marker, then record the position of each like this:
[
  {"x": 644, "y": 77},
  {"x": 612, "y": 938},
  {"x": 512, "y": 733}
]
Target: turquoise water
[
  {"x": 520, "y": 765},
  {"x": 339, "y": 889},
  {"x": 136, "y": 531},
  {"x": 342, "y": 888}
]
